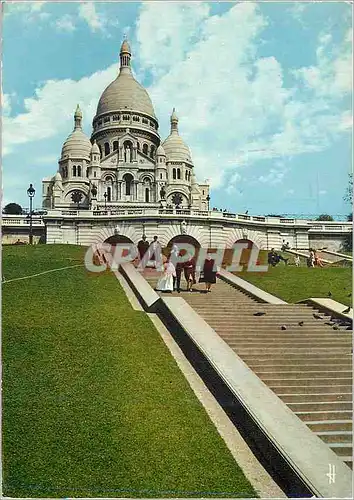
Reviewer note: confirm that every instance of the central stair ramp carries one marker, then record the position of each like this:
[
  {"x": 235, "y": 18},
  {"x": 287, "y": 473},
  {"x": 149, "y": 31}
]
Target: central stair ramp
[{"x": 293, "y": 348}]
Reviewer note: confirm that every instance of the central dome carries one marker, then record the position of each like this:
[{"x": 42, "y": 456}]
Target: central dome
[{"x": 125, "y": 93}]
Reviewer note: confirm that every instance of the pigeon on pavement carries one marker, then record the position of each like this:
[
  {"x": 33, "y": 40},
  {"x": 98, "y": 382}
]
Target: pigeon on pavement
[
  {"x": 329, "y": 294},
  {"x": 283, "y": 327},
  {"x": 317, "y": 316},
  {"x": 259, "y": 314},
  {"x": 346, "y": 310},
  {"x": 301, "y": 323}
]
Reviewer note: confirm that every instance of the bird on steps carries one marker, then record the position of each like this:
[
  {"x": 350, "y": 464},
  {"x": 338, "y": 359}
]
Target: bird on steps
[
  {"x": 336, "y": 327},
  {"x": 346, "y": 311},
  {"x": 283, "y": 327},
  {"x": 330, "y": 323},
  {"x": 259, "y": 314},
  {"x": 301, "y": 323},
  {"x": 317, "y": 316}
]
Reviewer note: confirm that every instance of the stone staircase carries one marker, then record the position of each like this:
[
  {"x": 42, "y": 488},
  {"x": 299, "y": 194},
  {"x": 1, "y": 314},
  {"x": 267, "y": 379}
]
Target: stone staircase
[{"x": 308, "y": 367}]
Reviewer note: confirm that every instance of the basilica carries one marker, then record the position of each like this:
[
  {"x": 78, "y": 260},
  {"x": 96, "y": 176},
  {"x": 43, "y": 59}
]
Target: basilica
[{"x": 124, "y": 164}]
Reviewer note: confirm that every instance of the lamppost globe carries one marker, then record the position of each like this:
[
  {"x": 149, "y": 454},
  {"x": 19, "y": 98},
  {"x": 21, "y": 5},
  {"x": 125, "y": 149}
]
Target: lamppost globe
[{"x": 31, "y": 191}]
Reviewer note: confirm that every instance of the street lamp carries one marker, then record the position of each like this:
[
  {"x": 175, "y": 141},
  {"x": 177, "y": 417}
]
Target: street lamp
[
  {"x": 105, "y": 200},
  {"x": 208, "y": 200},
  {"x": 30, "y": 193}
]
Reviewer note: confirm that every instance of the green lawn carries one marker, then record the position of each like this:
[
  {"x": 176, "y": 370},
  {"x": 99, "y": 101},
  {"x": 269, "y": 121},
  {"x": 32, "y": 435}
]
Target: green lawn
[
  {"x": 93, "y": 403},
  {"x": 293, "y": 284}
]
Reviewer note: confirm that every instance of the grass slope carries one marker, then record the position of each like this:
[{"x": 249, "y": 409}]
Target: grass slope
[
  {"x": 93, "y": 403},
  {"x": 293, "y": 284}
]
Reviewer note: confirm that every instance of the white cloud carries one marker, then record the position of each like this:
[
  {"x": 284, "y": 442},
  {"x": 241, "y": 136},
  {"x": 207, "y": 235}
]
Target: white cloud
[
  {"x": 275, "y": 174},
  {"x": 332, "y": 76},
  {"x": 96, "y": 21},
  {"x": 50, "y": 111},
  {"x": 234, "y": 107},
  {"x": 290, "y": 191},
  {"x": 66, "y": 24},
  {"x": 32, "y": 10},
  {"x": 322, "y": 192},
  {"x": 233, "y": 182},
  {"x": 6, "y": 103},
  {"x": 297, "y": 10}
]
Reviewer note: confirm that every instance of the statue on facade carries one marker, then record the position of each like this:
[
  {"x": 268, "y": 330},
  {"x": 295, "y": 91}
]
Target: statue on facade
[
  {"x": 128, "y": 155},
  {"x": 183, "y": 227},
  {"x": 162, "y": 192},
  {"x": 94, "y": 191}
]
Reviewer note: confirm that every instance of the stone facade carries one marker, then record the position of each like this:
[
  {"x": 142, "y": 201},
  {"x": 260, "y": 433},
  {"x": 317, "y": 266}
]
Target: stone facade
[{"x": 124, "y": 162}]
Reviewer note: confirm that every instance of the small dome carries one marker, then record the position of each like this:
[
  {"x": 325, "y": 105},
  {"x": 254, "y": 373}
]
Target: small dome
[
  {"x": 77, "y": 145},
  {"x": 95, "y": 149},
  {"x": 160, "y": 151},
  {"x": 176, "y": 149}
]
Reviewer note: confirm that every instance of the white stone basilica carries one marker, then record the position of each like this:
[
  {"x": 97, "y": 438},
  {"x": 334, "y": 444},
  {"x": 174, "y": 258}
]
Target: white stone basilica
[{"x": 124, "y": 164}]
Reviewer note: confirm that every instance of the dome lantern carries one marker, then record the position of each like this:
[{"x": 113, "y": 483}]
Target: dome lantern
[
  {"x": 125, "y": 93},
  {"x": 77, "y": 145}
]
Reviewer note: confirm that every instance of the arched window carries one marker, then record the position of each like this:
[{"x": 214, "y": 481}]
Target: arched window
[
  {"x": 87, "y": 172},
  {"x": 138, "y": 145},
  {"x": 186, "y": 176},
  {"x": 128, "y": 179},
  {"x": 145, "y": 149},
  {"x": 115, "y": 145},
  {"x": 94, "y": 174},
  {"x": 160, "y": 176},
  {"x": 100, "y": 148},
  {"x": 178, "y": 173},
  {"x": 152, "y": 151},
  {"x": 174, "y": 173},
  {"x": 79, "y": 170},
  {"x": 147, "y": 195},
  {"x": 109, "y": 179},
  {"x": 109, "y": 193},
  {"x": 74, "y": 170},
  {"x": 106, "y": 148}
]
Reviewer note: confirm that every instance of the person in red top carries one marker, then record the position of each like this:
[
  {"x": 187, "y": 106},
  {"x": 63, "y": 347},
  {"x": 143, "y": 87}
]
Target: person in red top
[{"x": 189, "y": 272}]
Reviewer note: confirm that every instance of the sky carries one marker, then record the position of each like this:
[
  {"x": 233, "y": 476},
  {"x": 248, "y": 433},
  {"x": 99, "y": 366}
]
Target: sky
[{"x": 263, "y": 92}]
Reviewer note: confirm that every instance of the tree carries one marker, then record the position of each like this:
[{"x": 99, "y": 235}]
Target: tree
[
  {"x": 325, "y": 217},
  {"x": 77, "y": 197},
  {"x": 13, "y": 209},
  {"x": 348, "y": 197}
]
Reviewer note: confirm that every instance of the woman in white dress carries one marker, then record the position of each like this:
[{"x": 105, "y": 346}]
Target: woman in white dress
[{"x": 165, "y": 283}]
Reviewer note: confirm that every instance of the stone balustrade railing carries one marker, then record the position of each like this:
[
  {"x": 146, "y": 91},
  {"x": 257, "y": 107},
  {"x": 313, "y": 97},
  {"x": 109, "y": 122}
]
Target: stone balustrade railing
[{"x": 114, "y": 212}]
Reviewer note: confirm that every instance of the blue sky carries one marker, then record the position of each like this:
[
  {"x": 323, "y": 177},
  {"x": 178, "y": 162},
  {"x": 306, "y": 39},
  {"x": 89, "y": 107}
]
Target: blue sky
[{"x": 263, "y": 92}]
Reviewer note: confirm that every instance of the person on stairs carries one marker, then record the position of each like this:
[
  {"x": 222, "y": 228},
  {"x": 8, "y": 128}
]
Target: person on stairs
[{"x": 209, "y": 273}]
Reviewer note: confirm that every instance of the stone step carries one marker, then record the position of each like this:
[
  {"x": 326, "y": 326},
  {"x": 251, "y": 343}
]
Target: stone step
[
  {"x": 320, "y": 405},
  {"x": 348, "y": 460},
  {"x": 298, "y": 360},
  {"x": 336, "y": 436},
  {"x": 330, "y": 425},
  {"x": 318, "y": 375},
  {"x": 308, "y": 389},
  {"x": 315, "y": 397},
  {"x": 291, "y": 350},
  {"x": 341, "y": 449},
  {"x": 306, "y": 381},
  {"x": 307, "y": 368},
  {"x": 324, "y": 415},
  {"x": 293, "y": 343}
]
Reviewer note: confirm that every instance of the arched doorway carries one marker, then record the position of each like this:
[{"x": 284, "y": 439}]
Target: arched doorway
[
  {"x": 118, "y": 239},
  {"x": 246, "y": 252},
  {"x": 183, "y": 238}
]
